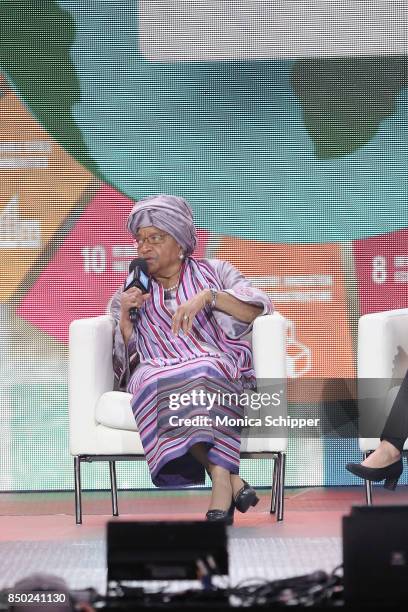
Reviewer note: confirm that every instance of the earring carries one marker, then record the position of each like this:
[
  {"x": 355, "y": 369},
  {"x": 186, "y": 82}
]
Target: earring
[{"x": 181, "y": 255}]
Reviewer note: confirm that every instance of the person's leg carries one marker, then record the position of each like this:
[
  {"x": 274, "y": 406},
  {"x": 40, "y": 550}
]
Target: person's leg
[
  {"x": 200, "y": 452},
  {"x": 236, "y": 483},
  {"x": 396, "y": 427},
  {"x": 221, "y": 493},
  {"x": 395, "y": 432},
  {"x": 385, "y": 454}
]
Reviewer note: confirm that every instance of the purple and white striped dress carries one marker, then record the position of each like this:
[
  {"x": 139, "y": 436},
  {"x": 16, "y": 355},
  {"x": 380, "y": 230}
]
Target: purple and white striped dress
[{"x": 156, "y": 367}]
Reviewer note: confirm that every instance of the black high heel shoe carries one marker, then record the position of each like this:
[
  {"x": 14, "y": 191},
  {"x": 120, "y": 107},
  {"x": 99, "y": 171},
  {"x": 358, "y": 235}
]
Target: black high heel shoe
[
  {"x": 390, "y": 473},
  {"x": 245, "y": 498},
  {"x": 221, "y": 516}
]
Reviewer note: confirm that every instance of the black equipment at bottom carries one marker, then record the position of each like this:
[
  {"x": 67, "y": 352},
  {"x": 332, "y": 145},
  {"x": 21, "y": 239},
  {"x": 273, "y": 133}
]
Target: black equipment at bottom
[
  {"x": 375, "y": 556},
  {"x": 163, "y": 551}
]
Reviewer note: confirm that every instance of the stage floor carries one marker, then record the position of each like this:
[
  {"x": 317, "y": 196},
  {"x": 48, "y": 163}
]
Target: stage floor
[{"x": 38, "y": 531}]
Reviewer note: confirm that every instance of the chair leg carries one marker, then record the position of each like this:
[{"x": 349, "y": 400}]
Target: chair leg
[
  {"x": 368, "y": 487},
  {"x": 275, "y": 478},
  {"x": 78, "y": 499},
  {"x": 369, "y": 492},
  {"x": 114, "y": 489},
  {"x": 281, "y": 487}
]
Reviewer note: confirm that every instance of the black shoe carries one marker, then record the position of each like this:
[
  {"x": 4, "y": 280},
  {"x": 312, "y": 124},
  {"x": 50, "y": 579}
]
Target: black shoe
[
  {"x": 245, "y": 498},
  {"x": 390, "y": 473},
  {"x": 221, "y": 516}
]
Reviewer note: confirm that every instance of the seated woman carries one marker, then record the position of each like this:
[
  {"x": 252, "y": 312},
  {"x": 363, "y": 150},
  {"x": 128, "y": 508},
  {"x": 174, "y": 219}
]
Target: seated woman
[
  {"x": 385, "y": 463},
  {"x": 187, "y": 338}
]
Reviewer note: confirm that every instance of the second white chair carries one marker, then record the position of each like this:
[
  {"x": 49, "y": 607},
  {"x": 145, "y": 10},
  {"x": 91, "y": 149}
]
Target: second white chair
[{"x": 382, "y": 356}]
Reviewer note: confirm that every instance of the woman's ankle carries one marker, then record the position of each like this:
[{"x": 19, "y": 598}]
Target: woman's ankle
[
  {"x": 388, "y": 449},
  {"x": 384, "y": 455},
  {"x": 236, "y": 483},
  {"x": 221, "y": 494}
]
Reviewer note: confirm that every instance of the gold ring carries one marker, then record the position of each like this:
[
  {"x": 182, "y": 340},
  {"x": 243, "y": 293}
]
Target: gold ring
[{"x": 185, "y": 318}]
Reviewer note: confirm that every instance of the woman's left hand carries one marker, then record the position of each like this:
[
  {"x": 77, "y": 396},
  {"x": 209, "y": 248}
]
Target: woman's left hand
[{"x": 183, "y": 318}]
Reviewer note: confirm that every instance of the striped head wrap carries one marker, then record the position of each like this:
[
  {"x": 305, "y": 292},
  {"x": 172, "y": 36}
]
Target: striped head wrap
[{"x": 171, "y": 214}]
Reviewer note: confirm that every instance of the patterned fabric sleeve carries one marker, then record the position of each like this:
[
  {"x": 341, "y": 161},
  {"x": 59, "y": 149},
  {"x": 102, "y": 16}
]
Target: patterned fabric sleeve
[
  {"x": 235, "y": 283},
  {"x": 125, "y": 357}
]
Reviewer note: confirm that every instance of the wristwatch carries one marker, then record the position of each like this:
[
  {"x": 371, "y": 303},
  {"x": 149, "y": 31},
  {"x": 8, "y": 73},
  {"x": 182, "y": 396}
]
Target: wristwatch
[{"x": 214, "y": 293}]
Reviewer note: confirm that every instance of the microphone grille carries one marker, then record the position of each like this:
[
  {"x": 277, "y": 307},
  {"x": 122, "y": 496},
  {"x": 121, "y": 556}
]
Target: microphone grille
[{"x": 138, "y": 263}]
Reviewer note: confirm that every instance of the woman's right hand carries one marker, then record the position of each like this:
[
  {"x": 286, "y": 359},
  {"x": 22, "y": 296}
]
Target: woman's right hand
[{"x": 132, "y": 298}]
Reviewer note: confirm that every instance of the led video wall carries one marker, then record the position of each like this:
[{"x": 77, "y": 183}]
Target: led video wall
[{"x": 284, "y": 124}]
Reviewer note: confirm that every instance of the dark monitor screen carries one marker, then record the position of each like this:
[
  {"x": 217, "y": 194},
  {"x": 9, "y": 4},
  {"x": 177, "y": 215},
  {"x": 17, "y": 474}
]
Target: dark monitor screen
[{"x": 164, "y": 550}]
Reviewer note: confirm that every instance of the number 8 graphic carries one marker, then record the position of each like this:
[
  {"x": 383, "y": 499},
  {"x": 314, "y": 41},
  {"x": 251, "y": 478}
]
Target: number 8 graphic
[{"x": 379, "y": 271}]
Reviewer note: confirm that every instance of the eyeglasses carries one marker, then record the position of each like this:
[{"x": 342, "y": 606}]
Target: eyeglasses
[{"x": 152, "y": 239}]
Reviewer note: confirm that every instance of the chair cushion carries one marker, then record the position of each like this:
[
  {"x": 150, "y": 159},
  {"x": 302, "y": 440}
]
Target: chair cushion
[{"x": 113, "y": 409}]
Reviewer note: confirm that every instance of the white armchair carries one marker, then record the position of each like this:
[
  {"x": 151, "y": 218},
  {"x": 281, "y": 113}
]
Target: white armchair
[
  {"x": 382, "y": 355},
  {"x": 101, "y": 422}
]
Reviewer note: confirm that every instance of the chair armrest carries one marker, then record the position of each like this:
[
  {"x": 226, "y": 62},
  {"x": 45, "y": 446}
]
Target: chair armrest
[
  {"x": 90, "y": 374},
  {"x": 269, "y": 336},
  {"x": 380, "y": 335}
]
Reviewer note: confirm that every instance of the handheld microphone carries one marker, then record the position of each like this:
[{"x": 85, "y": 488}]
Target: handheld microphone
[{"x": 137, "y": 277}]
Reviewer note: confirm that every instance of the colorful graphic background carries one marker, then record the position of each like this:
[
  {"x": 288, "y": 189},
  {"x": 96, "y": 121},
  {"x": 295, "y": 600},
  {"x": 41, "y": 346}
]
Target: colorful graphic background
[{"x": 295, "y": 169}]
